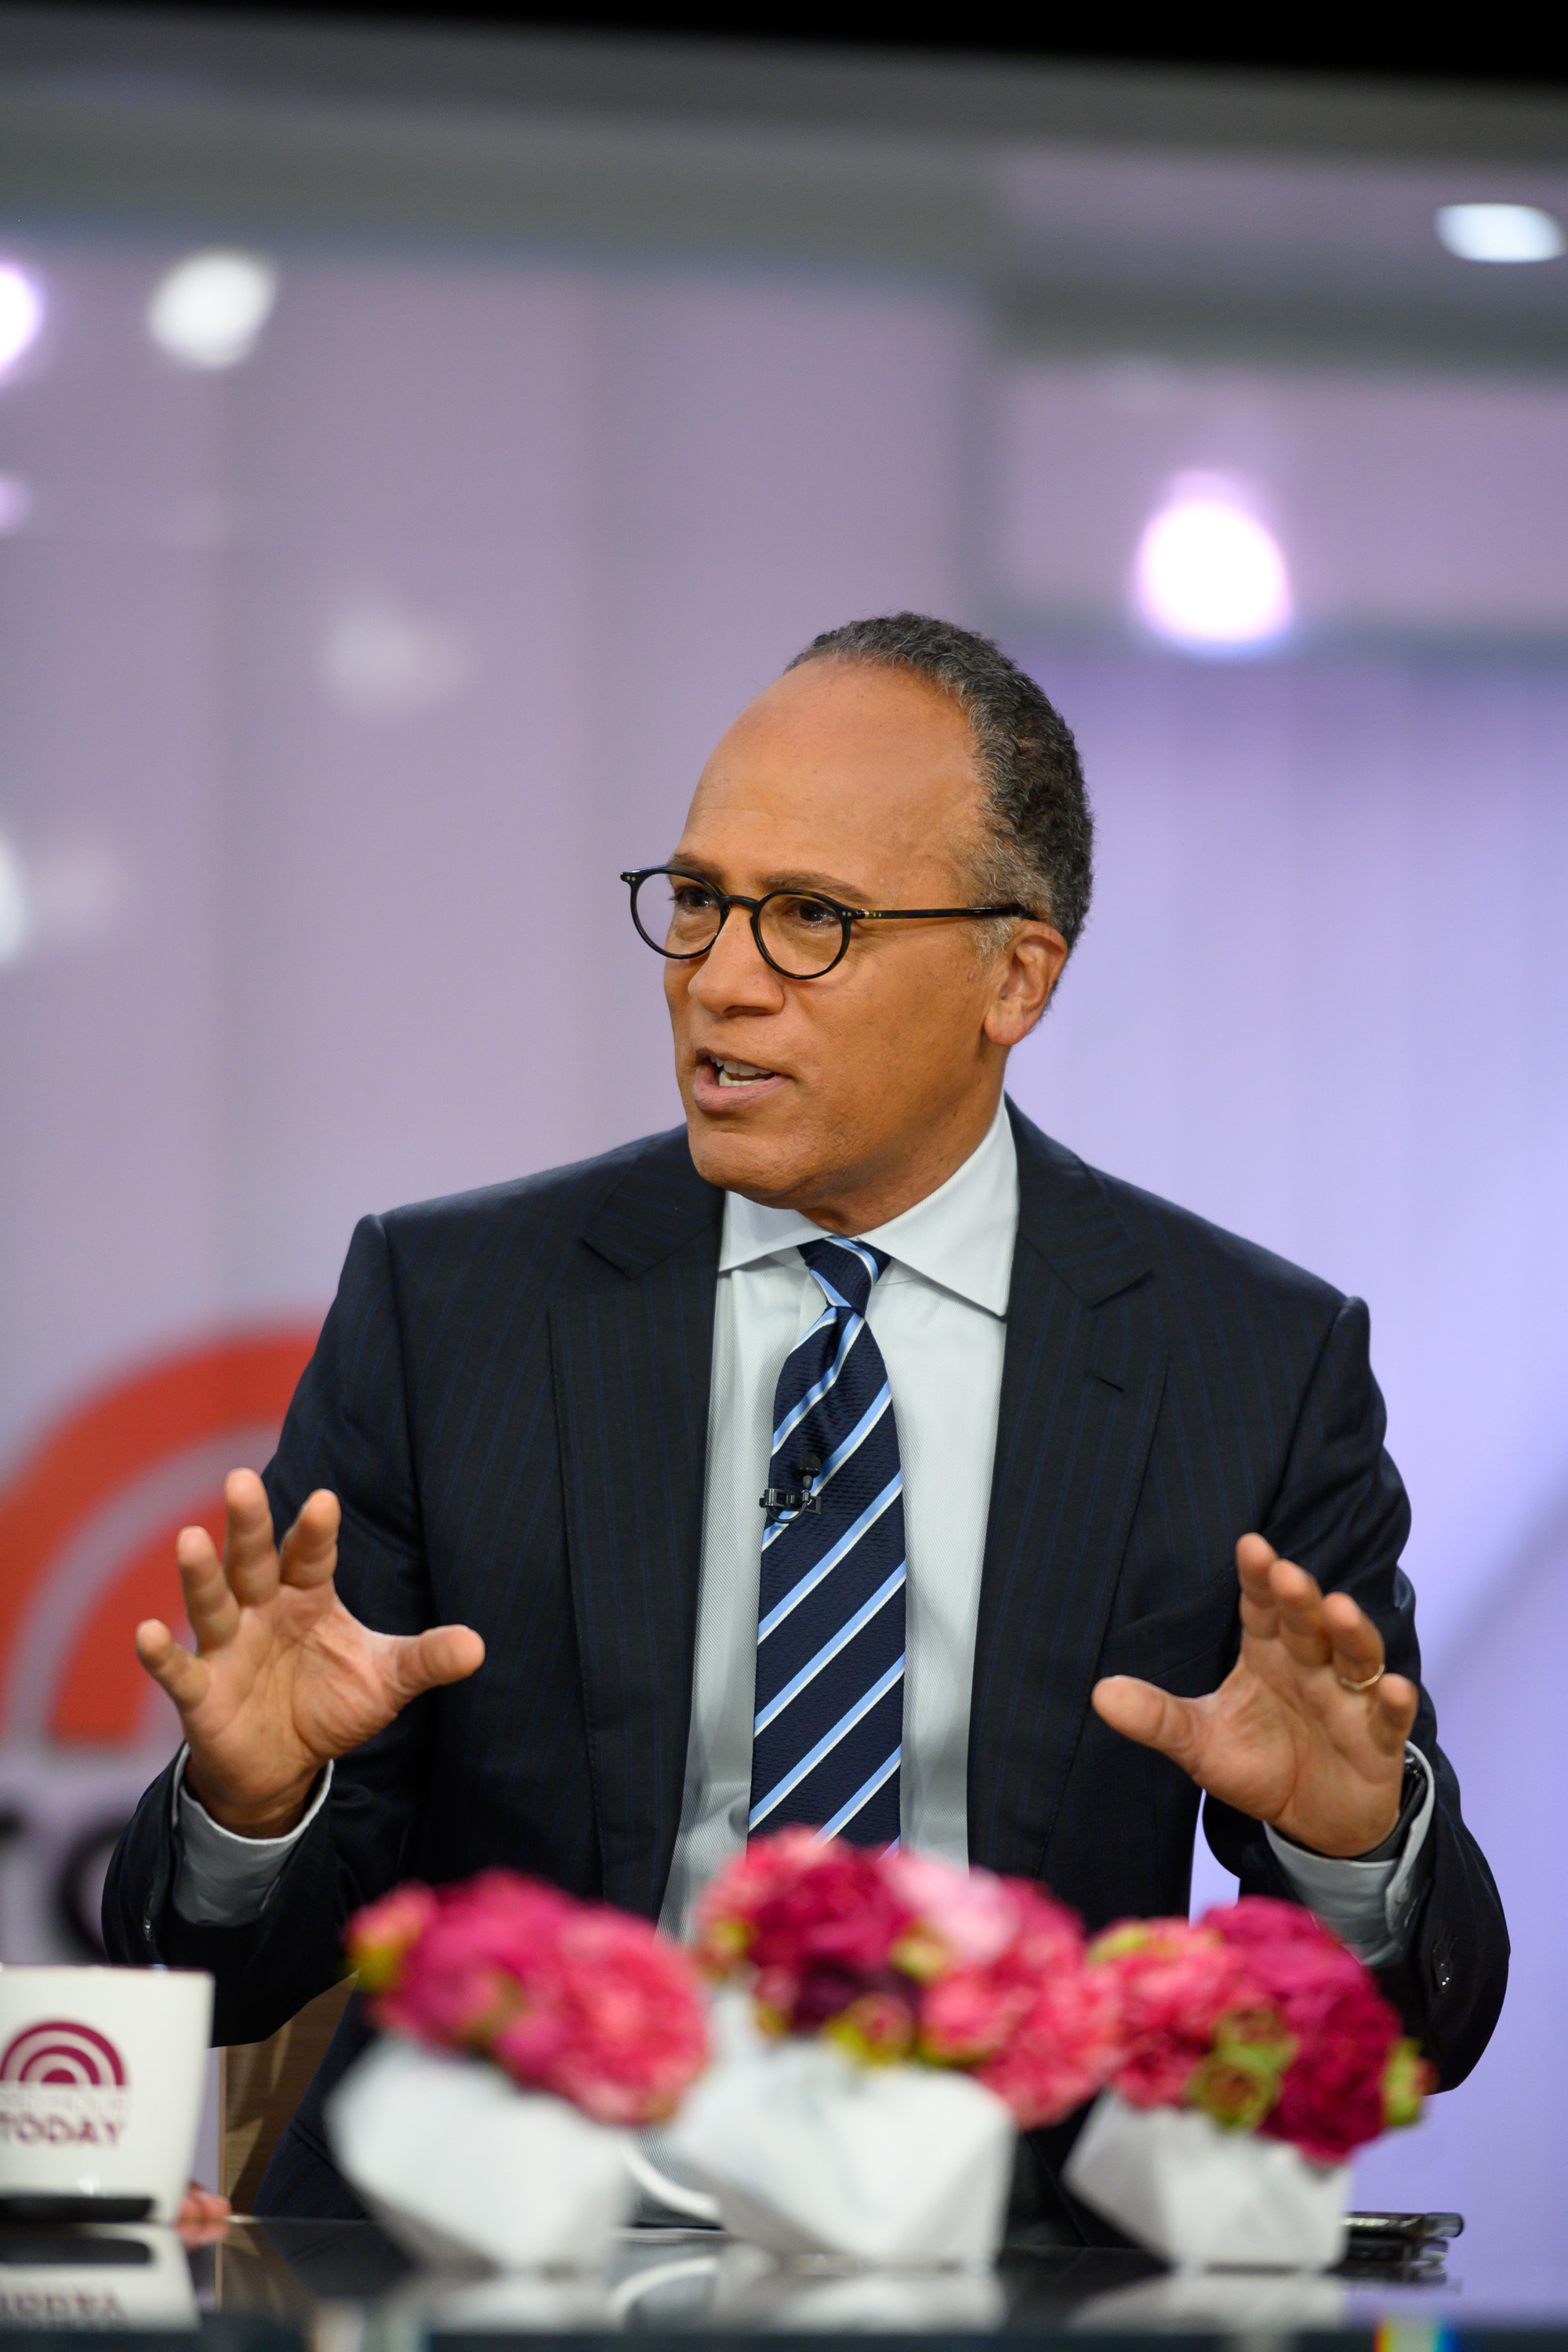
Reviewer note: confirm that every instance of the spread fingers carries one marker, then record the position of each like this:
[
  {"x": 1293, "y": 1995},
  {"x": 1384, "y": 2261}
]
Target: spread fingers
[
  {"x": 1303, "y": 1626},
  {"x": 249, "y": 1560},
  {"x": 1154, "y": 1717},
  {"x": 1356, "y": 1644},
  {"x": 211, "y": 1610},
  {"x": 1254, "y": 1556},
  {"x": 173, "y": 1669},
  {"x": 1391, "y": 1713},
  {"x": 310, "y": 1551}
]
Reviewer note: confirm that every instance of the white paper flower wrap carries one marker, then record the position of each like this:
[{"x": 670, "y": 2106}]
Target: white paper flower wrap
[
  {"x": 1181, "y": 2185},
  {"x": 454, "y": 2159},
  {"x": 807, "y": 2152}
]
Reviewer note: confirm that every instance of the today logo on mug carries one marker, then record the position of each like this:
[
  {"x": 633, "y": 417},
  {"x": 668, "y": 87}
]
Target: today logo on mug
[
  {"x": 62, "y": 2083},
  {"x": 101, "y": 2075}
]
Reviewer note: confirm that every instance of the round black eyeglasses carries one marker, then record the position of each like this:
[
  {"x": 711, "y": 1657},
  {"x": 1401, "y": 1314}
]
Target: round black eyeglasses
[{"x": 799, "y": 932}]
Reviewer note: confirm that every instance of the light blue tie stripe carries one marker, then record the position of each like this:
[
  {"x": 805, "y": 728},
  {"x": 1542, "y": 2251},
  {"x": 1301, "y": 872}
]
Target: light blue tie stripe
[
  {"x": 852, "y": 1329},
  {"x": 809, "y": 1582},
  {"x": 863, "y": 1796},
  {"x": 857, "y": 1249},
  {"x": 857, "y": 1437},
  {"x": 830, "y": 1649},
  {"x": 827, "y": 1744}
]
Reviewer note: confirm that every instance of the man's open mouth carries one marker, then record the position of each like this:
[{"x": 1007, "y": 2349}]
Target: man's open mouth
[{"x": 720, "y": 1073}]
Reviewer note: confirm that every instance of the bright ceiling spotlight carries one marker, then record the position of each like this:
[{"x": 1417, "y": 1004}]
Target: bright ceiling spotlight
[
  {"x": 21, "y": 314},
  {"x": 209, "y": 311},
  {"x": 1500, "y": 233},
  {"x": 1209, "y": 574}
]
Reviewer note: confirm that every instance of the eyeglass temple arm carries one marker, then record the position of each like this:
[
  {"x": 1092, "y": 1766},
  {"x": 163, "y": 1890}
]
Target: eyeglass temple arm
[{"x": 922, "y": 914}]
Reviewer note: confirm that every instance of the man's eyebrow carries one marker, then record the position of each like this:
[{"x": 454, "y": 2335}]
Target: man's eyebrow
[{"x": 830, "y": 886}]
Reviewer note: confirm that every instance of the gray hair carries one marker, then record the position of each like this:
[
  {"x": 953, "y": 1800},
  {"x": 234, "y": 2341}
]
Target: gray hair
[{"x": 1037, "y": 848}]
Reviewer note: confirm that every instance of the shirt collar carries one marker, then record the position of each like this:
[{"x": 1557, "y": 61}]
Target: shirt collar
[{"x": 961, "y": 1235}]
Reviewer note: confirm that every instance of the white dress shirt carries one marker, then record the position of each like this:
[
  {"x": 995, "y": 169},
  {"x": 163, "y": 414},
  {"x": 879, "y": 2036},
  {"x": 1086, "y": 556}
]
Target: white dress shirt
[{"x": 939, "y": 1317}]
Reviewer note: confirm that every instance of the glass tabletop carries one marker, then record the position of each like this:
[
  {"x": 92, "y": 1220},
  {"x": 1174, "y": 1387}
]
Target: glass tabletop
[{"x": 343, "y": 2286}]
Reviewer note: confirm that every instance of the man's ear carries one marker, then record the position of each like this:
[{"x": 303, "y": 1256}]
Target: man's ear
[{"x": 1028, "y": 970}]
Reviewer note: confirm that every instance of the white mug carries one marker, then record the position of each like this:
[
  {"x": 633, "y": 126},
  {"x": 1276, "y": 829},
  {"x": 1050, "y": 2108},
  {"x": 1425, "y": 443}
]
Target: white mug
[{"x": 103, "y": 2073}]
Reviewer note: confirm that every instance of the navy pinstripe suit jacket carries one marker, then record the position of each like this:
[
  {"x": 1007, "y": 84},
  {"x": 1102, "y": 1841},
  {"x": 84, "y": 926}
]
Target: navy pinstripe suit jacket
[{"x": 510, "y": 1396}]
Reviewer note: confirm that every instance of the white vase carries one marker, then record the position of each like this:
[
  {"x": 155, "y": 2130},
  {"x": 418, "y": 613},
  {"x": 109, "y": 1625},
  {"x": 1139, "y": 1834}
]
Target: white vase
[
  {"x": 455, "y": 2160},
  {"x": 808, "y": 2152},
  {"x": 1187, "y": 2188}
]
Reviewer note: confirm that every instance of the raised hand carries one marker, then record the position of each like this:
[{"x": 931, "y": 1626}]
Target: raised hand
[
  {"x": 282, "y": 1678},
  {"x": 1285, "y": 1738}
]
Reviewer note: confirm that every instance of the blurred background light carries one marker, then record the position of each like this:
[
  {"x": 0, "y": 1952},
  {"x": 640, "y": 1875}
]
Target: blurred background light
[
  {"x": 1209, "y": 574},
  {"x": 1500, "y": 233},
  {"x": 21, "y": 314},
  {"x": 378, "y": 660},
  {"x": 16, "y": 503},
  {"x": 209, "y": 310},
  {"x": 16, "y": 928}
]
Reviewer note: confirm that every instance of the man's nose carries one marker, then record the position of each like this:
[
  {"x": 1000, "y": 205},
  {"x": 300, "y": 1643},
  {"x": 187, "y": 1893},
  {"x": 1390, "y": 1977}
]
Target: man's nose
[{"x": 734, "y": 970}]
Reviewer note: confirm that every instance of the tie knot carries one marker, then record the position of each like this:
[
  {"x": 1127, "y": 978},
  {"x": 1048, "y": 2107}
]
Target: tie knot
[{"x": 846, "y": 1270}]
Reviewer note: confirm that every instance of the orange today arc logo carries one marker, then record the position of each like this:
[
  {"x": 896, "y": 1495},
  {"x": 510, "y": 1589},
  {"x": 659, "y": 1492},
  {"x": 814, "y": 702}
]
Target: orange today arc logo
[{"x": 88, "y": 1527}]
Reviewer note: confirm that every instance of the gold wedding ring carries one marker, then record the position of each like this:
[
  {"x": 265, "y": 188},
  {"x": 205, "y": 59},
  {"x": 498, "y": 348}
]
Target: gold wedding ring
[{"x": 1370, "y": 1683}]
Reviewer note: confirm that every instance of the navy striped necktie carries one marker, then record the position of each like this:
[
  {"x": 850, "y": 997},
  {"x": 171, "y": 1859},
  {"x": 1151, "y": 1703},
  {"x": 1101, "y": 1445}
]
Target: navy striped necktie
[{"x": 828, "y": 1735}]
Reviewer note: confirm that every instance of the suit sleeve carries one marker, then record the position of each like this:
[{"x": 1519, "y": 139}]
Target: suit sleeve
[
  {"x": 347, "y": 1428},
  {"x": 1340, "y": 1512}
]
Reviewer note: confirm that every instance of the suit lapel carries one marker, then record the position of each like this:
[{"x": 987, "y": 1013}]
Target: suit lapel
[
  {"x": 1082, "y": 1376},
  {"x": 631, "y": 1356}
]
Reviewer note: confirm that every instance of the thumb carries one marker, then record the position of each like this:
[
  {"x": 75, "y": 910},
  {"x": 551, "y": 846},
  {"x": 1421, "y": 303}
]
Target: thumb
[
  {"x": 1144, "y": 1712},
  {"x": 447, "y": 1654}
]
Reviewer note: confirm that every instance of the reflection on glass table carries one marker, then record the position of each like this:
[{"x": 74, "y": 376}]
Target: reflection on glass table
[
  {"x": 343, "y": 2283},
  {"x": 676, "y": 2280},
  {"x": 95, "y": 2282}
]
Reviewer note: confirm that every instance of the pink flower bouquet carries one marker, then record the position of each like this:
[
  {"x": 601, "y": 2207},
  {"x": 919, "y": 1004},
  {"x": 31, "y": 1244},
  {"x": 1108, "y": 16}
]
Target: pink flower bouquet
[
  {"x": 524, "y": 2034},
  {"x": 1259, "y": 2017},
  {"x": 901, "y": 1956},
  {"x": 904, "y": 2017},
  {"x": 568, "y": 1997},
  {"x": 1257, "y": 2053}
]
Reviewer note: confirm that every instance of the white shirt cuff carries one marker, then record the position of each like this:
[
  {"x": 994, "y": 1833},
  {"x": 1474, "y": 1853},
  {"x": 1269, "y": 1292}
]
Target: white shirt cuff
[
  {"x": 222, "y": 1880},
  {"x": 1369, "y": 1905}
]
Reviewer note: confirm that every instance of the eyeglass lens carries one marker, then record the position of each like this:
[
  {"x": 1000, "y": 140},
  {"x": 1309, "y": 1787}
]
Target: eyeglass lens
[{"x": 681, "y": 915}]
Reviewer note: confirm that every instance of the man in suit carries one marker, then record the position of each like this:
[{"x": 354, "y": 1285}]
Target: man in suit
[{"x": 1072, "y": 1508}]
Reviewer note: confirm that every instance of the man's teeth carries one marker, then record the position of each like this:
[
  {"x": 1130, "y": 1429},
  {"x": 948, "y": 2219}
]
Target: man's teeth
[{"x": 739, "y": 1074}]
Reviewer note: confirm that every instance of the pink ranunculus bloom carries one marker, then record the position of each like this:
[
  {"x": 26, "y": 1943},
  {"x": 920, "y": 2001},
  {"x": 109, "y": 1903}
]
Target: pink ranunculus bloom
[
  {"x": 957, "y": 1915},
  {"x": 968, "y": 2014},
  {"x": 1061, "y": 2051},
  {"x": 576, "y": 1999},
  {"x": 799, "y": 1900},
  {"x": 379, "y": 1935},
  {"x": 1331, "y": 2098},
  {"x": 1173, "y": 1984},
  {"x": 974, "y": 2006},
  {"x": 464, "y": 1979},
  {"x": 1036, "y": 2024},
  {"x": 775, "y": 1996},
  {"x": 1254, "y": 1919},
  {"x": 878, "y": 2028},
  {"x": 635, "y": 2032}
]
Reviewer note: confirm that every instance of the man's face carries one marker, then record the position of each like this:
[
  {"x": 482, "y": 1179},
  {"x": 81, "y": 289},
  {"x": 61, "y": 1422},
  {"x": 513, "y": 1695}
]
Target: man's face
[{"x": 861, "y": 1090}]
